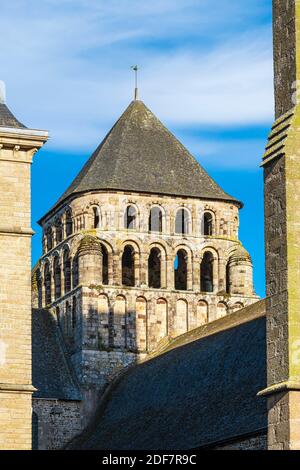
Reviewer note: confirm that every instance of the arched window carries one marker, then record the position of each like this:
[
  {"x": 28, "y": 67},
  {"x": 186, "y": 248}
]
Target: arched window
[
  {"x": 154, "y": 268},
  {"x": 208, "y": 224},
  {"x": 75, "y": 271},
  {"x": 104, "y": 264},
  {"x": 227, "y": 279},
  {"x": 57, "y": 278},
  {"x": 57, "y": 311},
  {"x": 39, "y": 288},
  {"x": 182, "y": 221},
  {"x": 49, "y": 238},
  {"x": 69, "y": 223},
  {"x": 68, "y": 318},
  {"x": 180, "y": 270},
  {"x": 47, "y": 281},
  {"x": 128, "y": 275},
  {"x": 96, "y": 217},
  {"x": 130, "y": 218},
  {"x": 207, "y": 272},
  {"x": 74, "y": 313},
  {"x": 67, "y": 271},
  {"x": 155, "y": 220},
  {"x": 58, "y": 231}
]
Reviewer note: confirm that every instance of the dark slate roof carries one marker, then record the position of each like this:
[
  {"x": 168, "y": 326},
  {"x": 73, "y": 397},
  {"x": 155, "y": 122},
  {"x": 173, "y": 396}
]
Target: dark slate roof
[
  {"x": 51, "y": 373},
  {"x": 7, "y": 119},
  {"x": 195, "y": 395},
  {"x": 139, "y": 154}
]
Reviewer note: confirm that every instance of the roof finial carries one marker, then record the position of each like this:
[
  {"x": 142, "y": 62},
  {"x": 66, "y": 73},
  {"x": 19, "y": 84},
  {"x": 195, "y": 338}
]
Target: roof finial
[
  {"x": 2, "y": 93},
  {"x": 136, "y": 68}
]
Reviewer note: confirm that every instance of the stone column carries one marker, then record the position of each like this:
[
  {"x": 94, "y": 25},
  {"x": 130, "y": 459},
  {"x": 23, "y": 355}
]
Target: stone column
[
  {"x": 90, "y": 261},
  {"x": 189, "y": 273},
  {"x": 144, "y": 268},
  {"x": 196, "y": 277},
  {"x": 137, "y": 268},
  {"x": 110, "y": 269},
  {"x": 170, "y": 272},
  {"x": 282, "y": 233},
  {"x": 222, "y": 274},
  {"x": 52, "y": 282},
  {"x": 164, "y": 269},
  {"x": 117, "y": 268},
  {"x": 17, "y": 147},
  {"x": 62, "y": 276},
  {"x": 215, "y": 275}
]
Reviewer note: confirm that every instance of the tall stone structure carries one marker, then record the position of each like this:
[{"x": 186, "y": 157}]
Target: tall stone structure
[
  {"x": 142, "y": 247},
  {"x": 17, "y": 147},
  {"x": 282, "y": 229}
]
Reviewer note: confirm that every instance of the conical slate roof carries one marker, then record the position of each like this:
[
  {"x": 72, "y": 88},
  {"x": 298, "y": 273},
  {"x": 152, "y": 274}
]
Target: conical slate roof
[
  {"x": 7, "y": 119},
  {"x": 140, "y": 155}
]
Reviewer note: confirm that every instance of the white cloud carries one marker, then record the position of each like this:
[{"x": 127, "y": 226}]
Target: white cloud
[{"x": 66, "y": 63}]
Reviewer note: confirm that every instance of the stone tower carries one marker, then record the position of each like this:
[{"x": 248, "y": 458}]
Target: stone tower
[
  {"x": 142, "y": 247},
  {"x": 17, "y": 147},
  {"x": 282, "y": 229}
]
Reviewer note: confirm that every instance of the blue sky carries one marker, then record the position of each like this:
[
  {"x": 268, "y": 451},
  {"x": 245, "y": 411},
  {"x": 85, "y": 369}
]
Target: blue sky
[{"x": 206, "y": 72}]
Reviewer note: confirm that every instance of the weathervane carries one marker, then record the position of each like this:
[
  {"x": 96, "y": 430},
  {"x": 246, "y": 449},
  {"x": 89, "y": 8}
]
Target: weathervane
[{"x": 135, "y": 68}]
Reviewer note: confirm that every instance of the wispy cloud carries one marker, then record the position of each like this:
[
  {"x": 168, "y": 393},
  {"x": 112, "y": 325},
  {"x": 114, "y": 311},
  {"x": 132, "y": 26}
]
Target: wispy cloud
[{"x": 66, "y": 63}]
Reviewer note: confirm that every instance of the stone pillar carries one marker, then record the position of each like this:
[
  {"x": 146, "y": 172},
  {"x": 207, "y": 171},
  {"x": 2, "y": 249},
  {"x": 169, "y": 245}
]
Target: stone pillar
[
  {"x": 163, "y": 270},
  {"x": 282, "y": 232},
  {"x": 17, "y": 147},
  {"x": 241, "y": 273},
  {"x": 52, "y": 282},
  {"x": 144, "y": 268},
  {"x": 196, "y": 271},
  {"x": 137, "y": 268},
  {"x": 189, "y": 272},
  {"x": 170, "y": 272},
  {"x": 110, "y": 269},
  {"x": 222, "y": 274},
  {"x": 62, "y": 277},
  {"x": 215, "y": 274},
  {"x": 90, "y": 261}
]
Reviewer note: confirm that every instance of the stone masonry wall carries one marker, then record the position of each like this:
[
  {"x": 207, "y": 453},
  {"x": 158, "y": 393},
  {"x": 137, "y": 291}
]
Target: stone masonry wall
[
  {"x": 55, "y": 423},
  {"x": 282, "y": 215},
  {"x": 16, "y": 151},
  {"x": 284, "y": 54}
]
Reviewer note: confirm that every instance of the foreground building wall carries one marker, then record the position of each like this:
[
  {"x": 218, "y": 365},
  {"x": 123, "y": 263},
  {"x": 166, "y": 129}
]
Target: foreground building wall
[
  {"x": 282, "y": 215},
  {"x": 17, "y": 147}
]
